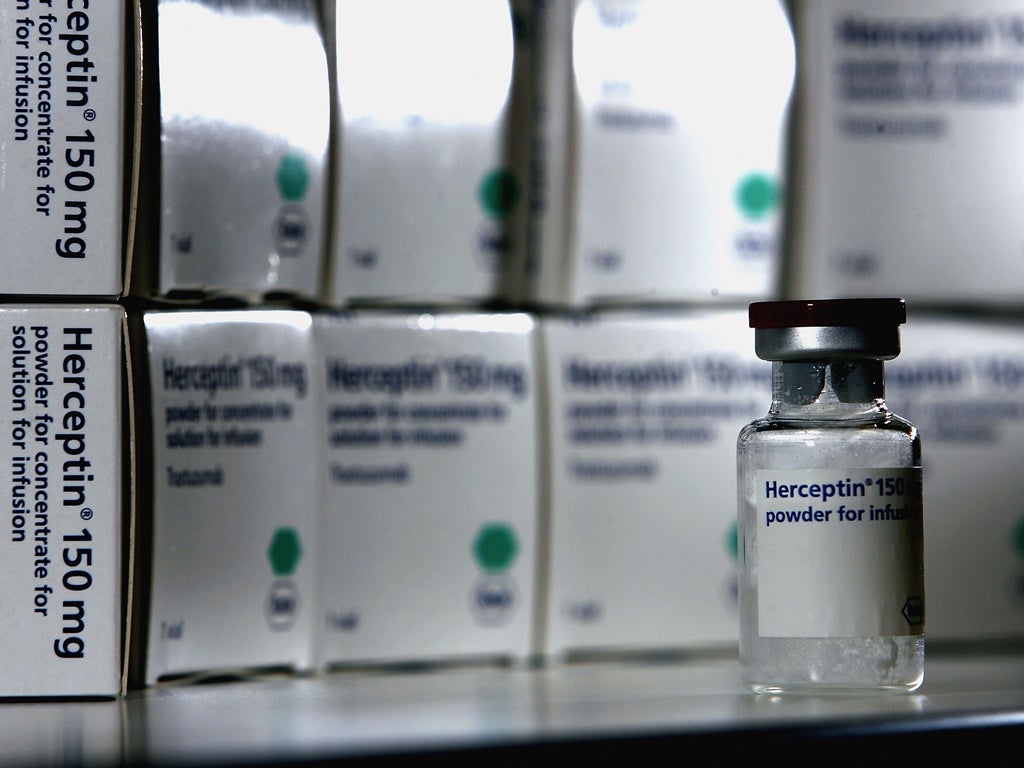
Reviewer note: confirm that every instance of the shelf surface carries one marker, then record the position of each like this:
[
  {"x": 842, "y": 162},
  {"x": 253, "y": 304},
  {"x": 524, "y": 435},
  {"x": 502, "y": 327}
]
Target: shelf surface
[{"x": 608, "y": 709}]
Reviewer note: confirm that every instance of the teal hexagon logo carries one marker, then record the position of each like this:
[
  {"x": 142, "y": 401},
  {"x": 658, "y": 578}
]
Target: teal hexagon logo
[
  {"x": 292, "y": 177},
  {"x": 284, "y": 551},
  {"x": 498, "y": 193},
  {"x": 495, "y": 547},
  {"x": 758, "y": 195},
  {"x": 731, "y": 541}
]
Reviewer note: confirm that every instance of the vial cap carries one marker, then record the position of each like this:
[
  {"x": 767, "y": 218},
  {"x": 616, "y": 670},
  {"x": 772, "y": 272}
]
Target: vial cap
[
  {"x": 824, "y": 329},
  {"x": 827, "y": 313}
]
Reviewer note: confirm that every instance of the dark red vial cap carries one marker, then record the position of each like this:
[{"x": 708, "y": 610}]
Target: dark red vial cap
[{"x": 828, "y": 313}]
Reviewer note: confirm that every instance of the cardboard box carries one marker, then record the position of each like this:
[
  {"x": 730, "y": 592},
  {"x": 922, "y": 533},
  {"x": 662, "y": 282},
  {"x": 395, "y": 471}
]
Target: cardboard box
[
  {"x": 64, "y": 551},
  {"x": 909, "y": 178},
  {"x": 659, "y": 150},
  {"x": 960, "y": 380},
  {"x": 237, "y": 130},
  {"x": 430, "y": 488},
  {"x": 644, "y": 408},
  {"x": 428, "y": 201},
  {"x": 68, "y": 77},
  {"x": 232, "y": 492}
]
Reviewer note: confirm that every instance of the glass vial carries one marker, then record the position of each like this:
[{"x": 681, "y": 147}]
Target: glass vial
[{"x": 831, "y": 543}]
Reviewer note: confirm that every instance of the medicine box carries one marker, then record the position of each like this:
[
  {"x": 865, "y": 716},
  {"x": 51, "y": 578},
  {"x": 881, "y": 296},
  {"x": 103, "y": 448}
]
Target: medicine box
[
  {"x": 232, "y": 496},
  {"x": 960, "y": 380},
  {"x": 64, "y": 550},
  {"x": 67, "y": 76},
  {"x": 644, "y": 408},
  {"x": 908, "y": 175},
  {"x": 237, "y": 130},
  {"x": 430, "y": 487},
  {"x": 659, "y": 150},
  {"x": 429, "y": 201}
]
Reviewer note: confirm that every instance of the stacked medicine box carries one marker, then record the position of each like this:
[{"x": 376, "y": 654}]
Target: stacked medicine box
[
  {"x": 654, "y": 180},
  {"x": 235, "y": 177},
  {"x": 907, "y": 183},
  {"x": 644, "y": 407},
  {"x": 232, "y": 244},
  {"x": 429, "y": 462},
  {"x": 66, "y": 169},
  {"x": 430, "y": 188},
  {"x": 231, "y": 523}
]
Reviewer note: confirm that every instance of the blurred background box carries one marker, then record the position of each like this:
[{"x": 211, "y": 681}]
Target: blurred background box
[
  {"x": 909, "y": 172},
  {"x": 429, "y": 197},
  {"x": 659, "y": 149},
  {"x": 230, "y": 524},
  {"x": 430, "y": 487},
  {"x": 644, "y": 408},
  {"x": 236, "y": 130},
  {"x": 960, "y": 380}
]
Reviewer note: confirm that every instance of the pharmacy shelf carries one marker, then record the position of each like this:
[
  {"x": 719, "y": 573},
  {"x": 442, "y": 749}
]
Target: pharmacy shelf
[{"x": 597, "y": 710}]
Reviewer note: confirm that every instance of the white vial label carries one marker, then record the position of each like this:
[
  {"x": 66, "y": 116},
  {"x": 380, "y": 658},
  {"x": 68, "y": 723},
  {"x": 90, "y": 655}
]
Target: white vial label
[{"x": 839, "y": 553}]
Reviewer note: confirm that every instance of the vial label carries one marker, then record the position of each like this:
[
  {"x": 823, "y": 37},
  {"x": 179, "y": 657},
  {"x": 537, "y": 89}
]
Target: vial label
[{"x": 839, "y": 552}]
